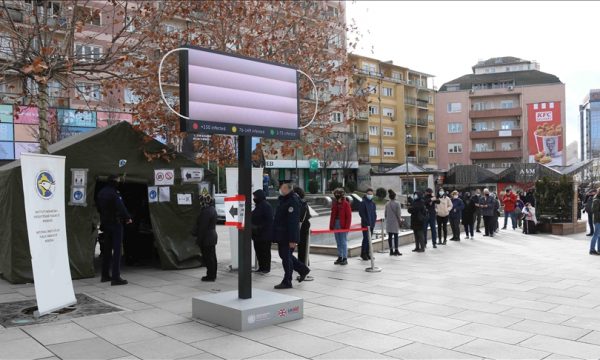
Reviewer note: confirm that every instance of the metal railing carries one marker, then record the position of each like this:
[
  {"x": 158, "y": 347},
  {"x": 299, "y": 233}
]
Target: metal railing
[
  {"x": 362, "y": 137},
  {"x": 423, "y": 160},
  {"x": 410, "y": 100},
  {"x": 423, "y": 103},
  {"x": 363, "y": 115}
]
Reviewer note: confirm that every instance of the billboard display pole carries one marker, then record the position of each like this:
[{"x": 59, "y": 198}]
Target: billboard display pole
[{"x": 245, "y": 232}]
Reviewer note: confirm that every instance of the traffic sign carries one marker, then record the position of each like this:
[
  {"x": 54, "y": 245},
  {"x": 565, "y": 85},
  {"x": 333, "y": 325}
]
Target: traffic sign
[{"x": 234, "y": 211}]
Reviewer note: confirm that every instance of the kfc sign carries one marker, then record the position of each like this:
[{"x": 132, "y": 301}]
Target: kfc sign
[{"x": 543, "y": 116}]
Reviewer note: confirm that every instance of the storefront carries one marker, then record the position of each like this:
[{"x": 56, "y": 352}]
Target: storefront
[{"x": 300, "y": 172}]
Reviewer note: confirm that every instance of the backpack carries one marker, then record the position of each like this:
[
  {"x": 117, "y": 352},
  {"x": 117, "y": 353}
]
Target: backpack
[{"x": 304, "y": 212}]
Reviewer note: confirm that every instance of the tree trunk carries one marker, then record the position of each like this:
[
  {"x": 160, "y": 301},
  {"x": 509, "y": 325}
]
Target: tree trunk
[{"x": 44, "y": 132}]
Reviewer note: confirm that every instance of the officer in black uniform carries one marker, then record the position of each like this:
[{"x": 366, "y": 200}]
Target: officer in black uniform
[
  {"x": 287, "y": 233},
  {"x": 112, "y": 215}
]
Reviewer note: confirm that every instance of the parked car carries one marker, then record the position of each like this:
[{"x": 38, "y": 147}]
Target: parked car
[{"x": 220, "y": 207}]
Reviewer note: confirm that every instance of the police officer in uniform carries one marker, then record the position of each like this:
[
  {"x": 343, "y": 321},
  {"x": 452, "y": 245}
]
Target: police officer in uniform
[
  {"x": 112, "y": 215},
  {"x": 287, "y": 224}
]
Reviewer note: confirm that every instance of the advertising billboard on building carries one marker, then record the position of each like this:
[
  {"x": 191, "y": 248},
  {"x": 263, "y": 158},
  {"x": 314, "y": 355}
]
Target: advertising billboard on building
[
  {"x": 545, "y": 133},
  {"x": 226, "y": 94}
]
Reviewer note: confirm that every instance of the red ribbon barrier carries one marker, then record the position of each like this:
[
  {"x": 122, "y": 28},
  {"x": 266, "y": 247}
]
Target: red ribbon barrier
[{"x": 352, "y": 229}]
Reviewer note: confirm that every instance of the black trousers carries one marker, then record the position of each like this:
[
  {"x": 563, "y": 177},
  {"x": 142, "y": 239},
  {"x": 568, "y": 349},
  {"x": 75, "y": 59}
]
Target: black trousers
[
  {"x": 455, "y": 225},
  {"x": 591, "y": 223},
  {"x": 303, "y": 245},
  {"x": 263, "y": 254},
  {"x": 488, "y": 223},
  {"x": 209, "y": 254},
  {"x": 419, "y": 235},
  {"x": 442, "y": 226},
  {"x": 290, "y": 263},
  {"x": 113, "y": 238},
  {"x": 478, "y": 219}
]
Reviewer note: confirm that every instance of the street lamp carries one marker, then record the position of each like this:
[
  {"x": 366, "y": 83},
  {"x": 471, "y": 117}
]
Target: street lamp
[{"x": 408, "y": 137}]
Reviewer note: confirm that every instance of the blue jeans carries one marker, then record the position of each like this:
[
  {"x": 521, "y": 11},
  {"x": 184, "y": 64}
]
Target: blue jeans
[
  {"x": 513, "y": 218},
  {"x": 364, "y": 249},
  {"x": 595, "y": 238},
  {"x": 341, "y": 240},
  {"x": 431, "y": 221}
]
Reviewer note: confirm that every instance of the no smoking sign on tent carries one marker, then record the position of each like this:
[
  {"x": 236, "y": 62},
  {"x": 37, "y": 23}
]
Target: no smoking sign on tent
[{"x": 234, "y": 211}]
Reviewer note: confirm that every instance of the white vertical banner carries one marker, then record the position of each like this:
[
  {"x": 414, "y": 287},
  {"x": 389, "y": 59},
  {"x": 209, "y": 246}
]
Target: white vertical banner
[{"x": 44, "y": 194}]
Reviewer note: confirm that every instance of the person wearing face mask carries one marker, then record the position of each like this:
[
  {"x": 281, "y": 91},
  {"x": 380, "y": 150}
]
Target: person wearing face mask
[
  {"x": 487, "y": 204},
  {"x": 368, "y": 216},
  {"x": 430, "y": 202},
  {"x": 262, "y": 231},
  {"x": 530, "y": 219},
  {"x": 443, "y": 211},
  {"x": 456, "y": 215},
  {"x": 287, "y": 234},
  {"x": 205, "y": 231},
  {"x": 468, "y": 216},
  {"x": 418, "y": 216},
  {"x": 393, "y": 220},
  {"x": 477, "y": 215},
  {"x": 509, "y": 200},
  {"x": 341, "y": 218}
]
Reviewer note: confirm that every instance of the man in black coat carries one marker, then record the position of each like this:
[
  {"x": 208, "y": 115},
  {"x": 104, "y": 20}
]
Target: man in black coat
[
  {"x": 113, "y": 214},
  {"x": 418, "y": 217},
  {"x": 287, "y": 234},
  {"x": 262, "y": 231},
  {"x": 206, "y": 236},
  {"x": 430, "y": 200}
]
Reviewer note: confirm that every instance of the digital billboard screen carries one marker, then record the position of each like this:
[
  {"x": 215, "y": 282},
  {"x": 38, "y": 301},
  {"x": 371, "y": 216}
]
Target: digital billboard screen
[{"x": 226, "y": 94}]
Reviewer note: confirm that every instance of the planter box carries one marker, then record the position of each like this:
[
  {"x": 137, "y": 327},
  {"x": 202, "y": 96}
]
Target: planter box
[{"x": 568, "y": 228}]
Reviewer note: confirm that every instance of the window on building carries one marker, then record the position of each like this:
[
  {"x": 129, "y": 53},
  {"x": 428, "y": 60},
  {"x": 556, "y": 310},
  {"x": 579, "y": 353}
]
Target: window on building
[
  {"x": 373, "y": 151},
  {"x": 507, "y": 146},
  {"x": 373, "y": 110},
  {"x": 131, "y": 97},
  {"x": 454, "y": 107},
  {"x": 89, "y": 91},
  {"x": 482, "y": 105},
  {"x": 396, "y": 75},
  {"x": 388, "y": 132},
  {"x": 372, "y": 89},
  {"x": 337, "y": 117},
  {"x": 55, "y": 89},
  {"x": 431, "y": 136},
  {"x": 455, "y": 148},
  {"x": 431, "y": 153},
  {"x": 335, "y": 90},
  {"x": 430, "y": 118},
  {"x": 482, "y": 126},
  {"x": 389, "y": 152},
  {"x": 89, "y": 15},
  {"x": 453, "y": 87},
  {"x": 388, "y": 112},
  {"x": 333, "y": 11},
  {"x": 169, "y": 28},
  {"x": 430, "y": 98},
  {"x": 508, "y": 124},
  {"x": 88, "y": 52},
  {"x": 506, "y": 104},
  {"x": 482, "y": 147},
  {"x": 387, "y": 91},
  {"x": 454, "y": 128},
  {"x": 335, "y": 41},
  {"x": 453, "y": 164},
  {"x": 369, "y": 68},
  {"x": 373, "y": 130},
  {"x": 129, "y": 27}
]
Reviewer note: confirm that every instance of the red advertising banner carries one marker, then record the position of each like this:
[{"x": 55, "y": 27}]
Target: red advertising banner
[{"x": 545, "y": 133}]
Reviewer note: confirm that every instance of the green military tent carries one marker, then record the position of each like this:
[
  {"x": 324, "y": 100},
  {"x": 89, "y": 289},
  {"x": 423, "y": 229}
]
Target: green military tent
[{"x": 100, "y": 152}]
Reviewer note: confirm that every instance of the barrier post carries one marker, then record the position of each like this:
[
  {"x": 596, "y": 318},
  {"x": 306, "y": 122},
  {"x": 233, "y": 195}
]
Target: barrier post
[
  {"x": 383, "y": 236},
  {"x": 373, "y": 268},
  {"x": 307, "y": 257}
]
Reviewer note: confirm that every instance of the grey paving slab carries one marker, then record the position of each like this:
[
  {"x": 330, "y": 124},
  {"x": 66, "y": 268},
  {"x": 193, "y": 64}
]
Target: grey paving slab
[
  {"x": 541, "y": 328},
  {"x": 233, "y": 347},
  {"x": 303, "y": 345},
  {"x": 563, "y": 347},
  {"x": 424, "y": 351},
  {"x": 485, "y": 318},
  {"x": 350, "y": 352},
  {"x": 23, "y": 348},
  {"x": 12, "y": 334},
  {"x": 190, "y": 332},
  {"x": 495, "y": 350},
  {"x": 155, "y": 317},
  {"x": 592, "y": 337},
  {"x": 438, "y": 338},
  {"x": 161, "y": 348},
  {"x": 369, "y": 340},
  {"x": 261, "y": 333},
  {"x": 98, "y": 321},
  {"x": 377, "y": 324},
  {"x": 527, "y": 304},
  {"x": 583, "y": 323},
  {"x": 433, "y": 321},
  {"x": 493, "y": 333},
  {"x": 317, "y": 327},
  {"x": 95, "y": 348},
  {"x": 542, "y": 316},
  {"x": 58, "y": 333},
  {"x": 276, "y": 355},
  {"x": 433, "y": 309},
  {"x": 126, "y": 333}
]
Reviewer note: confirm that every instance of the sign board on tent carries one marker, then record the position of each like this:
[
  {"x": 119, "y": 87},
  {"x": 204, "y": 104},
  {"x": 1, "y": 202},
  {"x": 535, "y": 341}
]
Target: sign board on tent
[
  {"x": 184, "y": 199},
  {"x": 164, "y": 194},
  {"x": 152, "y": 194},
  {"x": 79, "y": 177},
  {"x": 164, "y": 177},
  {"x": 78, "y": 196},
  {"x": 229, "y": 94},
  {"x": 204, "y": 188},
  {"x": 192, "y": 175},
  {"x": 44, "y": 196}
]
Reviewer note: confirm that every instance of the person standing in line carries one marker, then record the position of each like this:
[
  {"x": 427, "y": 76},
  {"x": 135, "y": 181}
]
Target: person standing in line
[
  {"x": 393, "y": 219},
  {"x": 443, "y": 211},
  {"x": 287, "y": 234},
  {"x": 497, "y": 207},
  {"x": 418, "y": 216},
  {"x": 456, "y": 215},
  {"x": 341, "y": 218},
  {"x": 205, "y": 231},
  {"x": 477, "y": 215},
  {"x": 113, "y": 214},
  {"x": 262, "y": 231},
  {"x": 368, "y": 216},
  {"x": 519, "y": 211},
  {"x": 587, "y": 208},
  {"x": 487, "y": 205},
  {"x": 430, "y": 203},
  {"x": 304, "y": 226},
  {"x": 530, "y": 220},
  {"x": 468, "y": 216},
  {"x": 509, "y": 200},
  {"x": 595, "y": 215}
]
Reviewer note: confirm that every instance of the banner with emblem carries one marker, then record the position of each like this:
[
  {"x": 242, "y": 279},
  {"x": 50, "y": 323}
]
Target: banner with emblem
[{"x": 44, "y": 195}]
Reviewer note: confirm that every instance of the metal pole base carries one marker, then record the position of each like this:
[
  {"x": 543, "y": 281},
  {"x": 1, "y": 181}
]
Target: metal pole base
[{"x": 373, "y": 269}]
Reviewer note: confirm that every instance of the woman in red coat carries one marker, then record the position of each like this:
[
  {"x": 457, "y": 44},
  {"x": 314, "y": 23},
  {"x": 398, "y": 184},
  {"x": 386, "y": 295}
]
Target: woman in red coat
[{"x": 341, "y": 218}]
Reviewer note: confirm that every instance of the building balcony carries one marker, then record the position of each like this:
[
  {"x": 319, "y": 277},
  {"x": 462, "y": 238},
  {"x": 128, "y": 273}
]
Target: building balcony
[
  {"x": 495, "y": 113},
  {"x": 423, "y": 160},
  {"x": 362, "y": 137},
  {"x": 376, "y": 74},
  {"x": 364, "y": 158},
  {"x": 363, "y": 115},
  {"x": 410, "y": 121},
  {"x": 423, "y": 141},
  {"x": 411, "y": 159},
  {"x": 492, "y": 134},
  {"x": 410, "y": 101},
  {"x": 496, "y": 154},
  {"x": 424, "y": 104}
]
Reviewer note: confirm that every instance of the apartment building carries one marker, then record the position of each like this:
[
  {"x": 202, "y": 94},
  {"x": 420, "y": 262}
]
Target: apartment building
[
  {"x": 589, "y": 116},
  {"x": 506, "y": 111},
  {"x": 399, "y": 123}
]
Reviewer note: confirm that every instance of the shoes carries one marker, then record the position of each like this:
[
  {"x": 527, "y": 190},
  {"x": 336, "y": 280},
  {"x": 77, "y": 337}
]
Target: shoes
[
  {"x": 207, "y": 279},
  {"x": 118, "y": 281},
  {"x": 105, "y": 278},
  {"x": 262, "y": 271},
  {"x": 397, "y": 253},
  {"x": 421, "y": 250},
  {"x": 455, "y": 239},
  {"x": 282, "y": 286},
  {"x": 392, "y": 252},
  {"x": 594, "y": 252},
  {"x": 467, "y": 237},
  {"x": 338, "y": 261},
  {"x": 344, "y": 261},
  {"x": 364, "y": 257},
  {"x": 415, "y": 250},
  {"x": 504, "y": 228},
  {"x": 589, "y": 234},
  {"x": 434, "y": 246},
  {"x": 478, "y": 231},
  {"x": 485, "y": 235},
  {"x": 302, "y": 277}
]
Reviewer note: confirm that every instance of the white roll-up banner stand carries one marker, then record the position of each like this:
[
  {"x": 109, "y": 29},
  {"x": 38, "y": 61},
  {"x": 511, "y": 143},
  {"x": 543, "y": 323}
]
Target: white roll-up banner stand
[{"x": 44, "y": 195}]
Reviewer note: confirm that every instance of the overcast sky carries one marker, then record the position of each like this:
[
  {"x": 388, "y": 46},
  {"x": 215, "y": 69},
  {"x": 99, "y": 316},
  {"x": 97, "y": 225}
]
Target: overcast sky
[{"x": 447, "y": 38}]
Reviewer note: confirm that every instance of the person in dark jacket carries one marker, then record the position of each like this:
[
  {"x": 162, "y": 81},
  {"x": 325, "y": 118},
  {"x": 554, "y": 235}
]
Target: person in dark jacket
[
  {"x": 456, "y": 215},
  {"x": 418, "y": 216},
  {"x": 205, "y": 232},
  {"x": 340, "y": 219},
  {"x": 113, "y": 214},
  {"x": 287, "y": 235},
  {"x": 305, "y": 216},
  {"x": 587, "y": 208},
  {"x": 477, "y": 216},
  {"x": 596, "y": 217},
  {"x": 430, "y": 202},
  {"x": 468, "y": 216},
  {"x": 262, "y": 230},
  {"x": 368, "y": 216},
  {"x": 488, "y": 207}
]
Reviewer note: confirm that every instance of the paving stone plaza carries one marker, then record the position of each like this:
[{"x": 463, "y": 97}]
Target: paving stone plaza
[{"x": 508, "y": 297}]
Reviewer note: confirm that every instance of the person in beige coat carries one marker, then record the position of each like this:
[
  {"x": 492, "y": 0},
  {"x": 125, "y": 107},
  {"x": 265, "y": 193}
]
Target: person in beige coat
[
  {"x": 393, "y": 220},
  {"x": 443, "y": 210}
]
